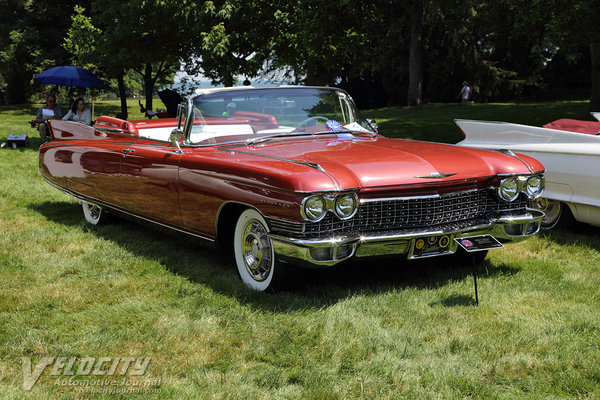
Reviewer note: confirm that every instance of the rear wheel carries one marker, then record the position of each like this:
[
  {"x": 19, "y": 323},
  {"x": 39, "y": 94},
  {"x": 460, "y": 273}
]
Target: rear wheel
[
  {"x": 254, "y": 253},
  {"x": 556, "y": 213},
  {"x": 93, "y": 213}
]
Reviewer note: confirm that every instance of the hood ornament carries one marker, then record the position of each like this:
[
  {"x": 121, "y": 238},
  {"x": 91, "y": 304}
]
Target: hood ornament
[{"x": 436, "y": 175}]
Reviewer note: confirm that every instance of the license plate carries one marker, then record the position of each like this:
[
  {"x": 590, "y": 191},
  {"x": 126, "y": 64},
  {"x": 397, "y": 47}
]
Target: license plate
[
  {"x": 428, "y": 246},
  {"x": 478, "y": 243}
]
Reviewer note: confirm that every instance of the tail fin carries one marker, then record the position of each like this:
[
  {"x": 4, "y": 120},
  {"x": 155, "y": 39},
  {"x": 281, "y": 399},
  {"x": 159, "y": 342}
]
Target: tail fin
[{"x": 69, "y": 130}]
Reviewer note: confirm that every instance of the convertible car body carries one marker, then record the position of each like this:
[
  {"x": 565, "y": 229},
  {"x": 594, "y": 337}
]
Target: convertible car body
[
  {"x": 292, "y": 174},
  {"x": 570, "y": 151}
]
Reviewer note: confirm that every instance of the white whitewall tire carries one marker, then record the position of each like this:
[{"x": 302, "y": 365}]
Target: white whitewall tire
[
  {"x": 94, "y": 214},
  {"x": 253, "y": 250}
]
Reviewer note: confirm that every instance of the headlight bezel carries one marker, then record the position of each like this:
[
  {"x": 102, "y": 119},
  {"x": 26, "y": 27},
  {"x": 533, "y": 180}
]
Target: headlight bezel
[
  {"x": 542, "y": 185},
  {"x": 504, "y": 183},
  {"x": 353, "y": 197},
  {"x": 306, "y": 214},
  {"x": 523, "y": 185},
  {"x": 332, "y": 203}
]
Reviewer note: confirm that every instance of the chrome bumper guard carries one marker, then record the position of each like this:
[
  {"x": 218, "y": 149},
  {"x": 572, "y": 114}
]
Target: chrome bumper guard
[{"x": 333, "y": 250}]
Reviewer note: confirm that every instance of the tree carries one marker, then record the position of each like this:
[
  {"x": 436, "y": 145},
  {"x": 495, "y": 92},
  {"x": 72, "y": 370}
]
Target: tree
[
  {"x": 30, "y": 37},
  {"x": 238, "y": 40},
  {"x": 154, "y": 37},
  {"x": 146, "y": 36},
  {"x": 574, "y": 23},
  {"x": 322, "y": 42},
  {"x": 93, "y": 49},
  {"x": 415, "y": 59}
]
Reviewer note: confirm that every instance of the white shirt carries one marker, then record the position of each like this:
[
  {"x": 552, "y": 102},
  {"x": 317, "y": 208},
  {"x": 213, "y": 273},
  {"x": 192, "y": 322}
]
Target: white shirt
[
  {"x": 85, "y": 117},
  {"x": 465, "y": 92}
]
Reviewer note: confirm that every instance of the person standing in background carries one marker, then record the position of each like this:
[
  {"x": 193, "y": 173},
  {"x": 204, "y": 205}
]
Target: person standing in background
[{"x": 465, "y": 92}]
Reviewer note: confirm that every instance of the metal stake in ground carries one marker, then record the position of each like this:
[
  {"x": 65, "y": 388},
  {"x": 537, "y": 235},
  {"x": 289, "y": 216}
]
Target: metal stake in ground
[{"x": 474, "y": 264}]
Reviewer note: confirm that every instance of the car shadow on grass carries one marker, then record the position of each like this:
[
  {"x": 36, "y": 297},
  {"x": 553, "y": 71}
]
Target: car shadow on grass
[
  {"x": 306, "y": 288},
  {"x": 576, "y": 233}
]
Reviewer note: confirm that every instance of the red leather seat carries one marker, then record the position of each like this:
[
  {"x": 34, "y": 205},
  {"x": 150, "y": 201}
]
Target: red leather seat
[{"x": 573, "y": 125}]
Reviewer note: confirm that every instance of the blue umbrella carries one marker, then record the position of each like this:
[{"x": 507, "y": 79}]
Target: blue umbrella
[{"x": 70, "y": 76}]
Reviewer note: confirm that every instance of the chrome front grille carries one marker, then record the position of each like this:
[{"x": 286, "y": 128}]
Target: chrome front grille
[{"x": 404, "y": 213}]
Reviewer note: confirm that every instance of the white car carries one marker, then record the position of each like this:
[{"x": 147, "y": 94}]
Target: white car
[{"x": 572, "y": 161}]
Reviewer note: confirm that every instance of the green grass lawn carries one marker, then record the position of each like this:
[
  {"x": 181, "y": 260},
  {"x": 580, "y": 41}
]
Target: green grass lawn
[{"x": 393, "y": 329}]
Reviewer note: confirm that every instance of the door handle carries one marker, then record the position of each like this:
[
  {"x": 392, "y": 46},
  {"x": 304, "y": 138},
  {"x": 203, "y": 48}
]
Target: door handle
[{"x": 128, "y": 151}]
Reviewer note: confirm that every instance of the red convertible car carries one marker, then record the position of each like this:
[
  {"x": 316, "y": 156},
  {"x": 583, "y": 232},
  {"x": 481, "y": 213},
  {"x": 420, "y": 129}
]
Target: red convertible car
[{"x": 293, "y": 174}]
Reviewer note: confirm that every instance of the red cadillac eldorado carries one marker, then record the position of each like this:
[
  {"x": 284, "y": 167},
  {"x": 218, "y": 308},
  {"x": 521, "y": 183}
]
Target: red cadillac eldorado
[{"x": 293, "y": 175}]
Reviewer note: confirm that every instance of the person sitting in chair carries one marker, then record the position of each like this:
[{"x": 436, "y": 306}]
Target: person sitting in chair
[
  {"x": 79, "y": 113},
  {"x": 50, "y": 111}
]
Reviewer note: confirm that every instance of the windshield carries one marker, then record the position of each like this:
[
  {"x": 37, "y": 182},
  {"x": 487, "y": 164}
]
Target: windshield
[{"x": 253, "y": 113}]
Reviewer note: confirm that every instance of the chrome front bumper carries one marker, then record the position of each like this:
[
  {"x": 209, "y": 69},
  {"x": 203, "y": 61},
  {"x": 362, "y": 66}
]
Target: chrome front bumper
[{"x": 333, "y": 250}]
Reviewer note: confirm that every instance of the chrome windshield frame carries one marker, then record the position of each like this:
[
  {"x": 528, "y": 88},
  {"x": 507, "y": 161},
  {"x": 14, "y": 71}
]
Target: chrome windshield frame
[{"x": 189, "y": 120}]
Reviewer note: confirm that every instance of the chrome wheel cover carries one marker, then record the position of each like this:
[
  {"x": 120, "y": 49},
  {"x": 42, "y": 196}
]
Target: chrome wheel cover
[
  {"x": 94, "y": 211},
  {"x": 552, "y": 210},
  {"x": 256, "y": 250}
]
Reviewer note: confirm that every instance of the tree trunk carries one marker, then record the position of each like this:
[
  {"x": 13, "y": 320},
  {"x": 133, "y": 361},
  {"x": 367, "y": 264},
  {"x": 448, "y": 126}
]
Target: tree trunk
[
  {"x": 316, "y": 74},
  {"x": 415, "y": 58},
  {"x": 148, "y": 85},
  {"x": 595, "y": 56},
  {"x": 227, "y": 77},
  {"x": 122, "y": 94}
]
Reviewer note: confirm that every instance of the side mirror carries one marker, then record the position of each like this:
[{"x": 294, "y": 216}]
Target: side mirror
[
  {"x": 175, "y": 138},
  {"x": 373, "y": 124}
]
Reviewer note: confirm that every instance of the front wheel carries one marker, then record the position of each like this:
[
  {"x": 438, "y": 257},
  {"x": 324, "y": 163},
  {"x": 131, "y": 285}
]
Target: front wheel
[{"x": 254, "y": 253}]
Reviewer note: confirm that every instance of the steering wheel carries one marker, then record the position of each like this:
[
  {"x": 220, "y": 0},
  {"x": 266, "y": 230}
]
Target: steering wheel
[{"x": 309, "y": 122}]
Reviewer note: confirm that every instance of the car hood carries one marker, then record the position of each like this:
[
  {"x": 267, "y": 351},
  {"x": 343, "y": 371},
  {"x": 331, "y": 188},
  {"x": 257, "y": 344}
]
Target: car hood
[{"x": 384, "y": 162}]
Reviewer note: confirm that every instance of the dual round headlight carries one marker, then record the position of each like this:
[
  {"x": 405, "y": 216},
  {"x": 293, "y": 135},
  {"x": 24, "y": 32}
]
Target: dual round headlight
[
  {"x": 509, "y": 189},
  {"x": 532, "y": 186},
  {"x": 315, "y": 207},
  {"x": 346, "y": 205}
]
